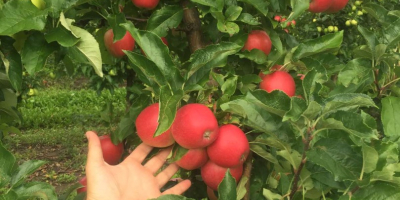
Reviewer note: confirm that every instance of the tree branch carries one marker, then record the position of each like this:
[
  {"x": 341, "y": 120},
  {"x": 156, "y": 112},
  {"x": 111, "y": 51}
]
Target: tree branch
[
  {"x": 297, "y": 172},
  {"x": 247, "y": 173},
  {"x": 192, "y": 24}
]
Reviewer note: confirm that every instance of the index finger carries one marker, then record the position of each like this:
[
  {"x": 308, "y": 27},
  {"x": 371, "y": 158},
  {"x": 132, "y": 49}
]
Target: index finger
[{"x": 140, "y": 153}]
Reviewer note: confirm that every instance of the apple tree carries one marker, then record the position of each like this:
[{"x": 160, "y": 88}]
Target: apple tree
[{"x": 314, "y": 89}]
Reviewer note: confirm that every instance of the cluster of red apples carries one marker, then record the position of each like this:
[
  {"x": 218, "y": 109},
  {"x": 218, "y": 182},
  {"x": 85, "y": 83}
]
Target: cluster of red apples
[
  {"x": 212, "y": 148},
  {"x": 329, "y": 6}
]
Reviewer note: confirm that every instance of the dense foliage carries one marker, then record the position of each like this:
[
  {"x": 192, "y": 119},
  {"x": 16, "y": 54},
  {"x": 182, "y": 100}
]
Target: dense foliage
[{"x": 337, "y": 138}]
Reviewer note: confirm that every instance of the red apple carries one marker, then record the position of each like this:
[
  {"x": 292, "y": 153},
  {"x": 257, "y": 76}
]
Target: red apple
[
  {"x": 277, "y": 18},
  {"x": 258, "y": 39},
  {"x": 146, "y": 125},
  {"x": 115, "y": 49},
  {"x": 279, "y": 80},
  {"x": 231, "y": 147},
  {"x": 318, "y": 6},
  {"x": 193, "y": 159},
  {"x": 83, "y": 182},
  {"x": 147, "y": 4},
  {"x": 337, "y": 5},
  {"x": 213, "y": 174},
  {"x": 111, "y": 153}
]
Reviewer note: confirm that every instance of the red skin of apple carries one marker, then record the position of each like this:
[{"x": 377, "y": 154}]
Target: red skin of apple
[
  {"x": 195, "y": 126},
  {"x": 213, "y": 174},
  {"x": 211, "y": 194},
  {"x": 337, "y": 5},
  {"x": 279, "y": 80},
  {"x": 193, "y": 159},
  {"x": 277, "y": 18},
  {"x": 258, "y": 39},
  {"x": 272, "y": 69},
  {"x": 146, "y": 125},
  {"x": 115, "y": 49},
  {"x": 111, "y": 153},
  {"x": 83, "y": 182},
  {"x": 318, "y": 6},
  {"x": 147, "y": 4},
  {"x": 231, "y": 147}
]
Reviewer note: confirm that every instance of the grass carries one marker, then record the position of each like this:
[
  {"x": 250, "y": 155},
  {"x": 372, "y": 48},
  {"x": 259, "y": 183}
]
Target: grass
[{"x": 54, "y": 123}]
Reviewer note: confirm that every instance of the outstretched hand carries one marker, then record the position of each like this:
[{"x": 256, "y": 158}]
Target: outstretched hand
[{"x": 130, "y": 179}]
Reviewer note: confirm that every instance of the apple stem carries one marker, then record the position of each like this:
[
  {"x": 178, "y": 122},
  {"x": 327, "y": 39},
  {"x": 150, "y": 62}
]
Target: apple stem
[
  {"x": 136, "y": 19},
  {"x": 247, "y": 173},
  {"x": 302, "y": 163}
]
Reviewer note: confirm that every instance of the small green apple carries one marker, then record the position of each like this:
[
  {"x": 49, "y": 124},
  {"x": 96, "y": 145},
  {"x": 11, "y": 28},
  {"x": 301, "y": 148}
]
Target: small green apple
[
  {"x": 39, "y": 4},
  {"x": 52, "y": 75}
]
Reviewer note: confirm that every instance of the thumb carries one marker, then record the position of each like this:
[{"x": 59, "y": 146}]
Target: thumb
[{"x": 95, "y": 154}]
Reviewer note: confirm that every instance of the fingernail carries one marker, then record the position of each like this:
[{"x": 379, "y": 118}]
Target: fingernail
[{"x": 87, "y": 135}]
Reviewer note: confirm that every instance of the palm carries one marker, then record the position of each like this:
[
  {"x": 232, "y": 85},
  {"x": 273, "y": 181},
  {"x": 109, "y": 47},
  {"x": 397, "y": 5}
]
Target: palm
[{"x": 131, "y": 180}]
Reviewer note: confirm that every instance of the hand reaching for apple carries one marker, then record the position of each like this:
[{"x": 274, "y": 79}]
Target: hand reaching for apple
[{"x": 130, "y": 179}]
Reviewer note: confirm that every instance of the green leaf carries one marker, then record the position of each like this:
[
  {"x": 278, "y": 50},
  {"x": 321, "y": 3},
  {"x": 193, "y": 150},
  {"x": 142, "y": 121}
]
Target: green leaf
[
  {"x": 228, "y": 27},
  {"x": 227, "y": 188},
  {"x": 337, "y": 157},
  {"x": 7, "y": 162},
  {"x": 370, "y": 159},
  {"x": 172, "y": 197},
  {"x": 241, "y": 188},
  {"x": 229, "y": 86},
  {"x": 12, "y": 61},
  {"x": 378, "y": 12},
  {"x": 4, "y": 81},
  {"x": 8, "y": 107},
  {"x": 157, "y": 52},
  {"x": 178, "y": 152},
  {"x": 260, "y": 5},
  {"x": 378, "y": 191},
  {"x": 297, "y": 108},
  {"x": 164, "y": 19},
  {"x": 36, "y": 189},
  {"x": 257, "y": 149},
  {"x": 312, "y": 84},
  {"x": 169, "y": 102},
  {"x": 114, "y": 21},
  {"x": 62, "y": 36},
  {"x": 11, "y": 195},
  {"x": 347, "y": 101},
  {"x": 21, "y": 15},
  {"x": 271, "y": 142},
  {"x": 293, "y": 157},
  {"x": 299, "y": 7},
  {"x": 35, "y": 52},
  {"x": 392, "y": 33},
  {"x": 89, "y": 47},
  {"x": 204, "y": 60},
  {"x": 127, "y": 126},
  {"x": 391, "y": 117},
  {"x": 368, "y": 36},
  {"x": 218, "y": 5},
  {"x": 388, "y": 174},
  {"x": 70, "y": 190},
  {"x": 271, "y": 195},
  {"x": 313, "y": 110},
  {"x": 349, "y": 122},
  {"x": 255, "y": 55},
  {"x": 233, "y": 12},
  {"x": 24, "y": 170},
  {"x": 56, "y": 6},
  {"x": 248, "y": 19},
  {"x": 326, "y": 43}
]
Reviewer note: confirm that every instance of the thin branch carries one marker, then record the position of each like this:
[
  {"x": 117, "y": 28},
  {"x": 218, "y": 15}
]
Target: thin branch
[
  {"x": 191, "y": 22},
  {"x": 136, "y": 19},
  {"x": 247, "y": 173},
  {"x": 297, "y": 172}
]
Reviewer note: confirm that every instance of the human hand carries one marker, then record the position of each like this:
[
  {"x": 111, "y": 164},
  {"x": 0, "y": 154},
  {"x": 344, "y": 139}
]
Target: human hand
[{"x": 130, "y": 179}]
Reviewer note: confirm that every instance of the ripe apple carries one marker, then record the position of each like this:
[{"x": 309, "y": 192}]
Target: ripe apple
[
  {"x": 231, "y": 148},
  {"x": 193, "y": 159},
  {"x": 111, "y": 153},
  {"x": 146, "y": 125},
  {"x": 39, "y": 4},
  {"x": 115, "y": 49},
  {"x": 195, "y": 126},
  {"x": 279, "y": 80},
  {"x": 213, "y": 174},
  {"x": 83, "y": 182},
  {"x": 147, "y": 4},
  {"x": 258, "y": 39},
  {"x": 318, "y": 6},
  {"x": 337, "y": 5},
  {"x": 277, "y": 18},
  {"x": 211, "y": 194}
]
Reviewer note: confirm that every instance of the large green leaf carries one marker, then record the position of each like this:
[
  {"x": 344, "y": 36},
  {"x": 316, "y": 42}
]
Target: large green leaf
[
  {"x": 7, "y": 162},
  {"x": 8, "y": 107},
  {"x": 312, "y": 84},
  {"x": 299, "y": 7},
  {"x": 4, "y": 81},
  {"x": 35, "y": 52},
  {"x": 347, "y": 101},
  {"x": 392, "y": 32},
  {"x": 337, "y": 157},
  {"x": 56, "y": 6},
  {"x": 379, "y": 13},
  {"x": 260, "y": 5},
  {"x": 257, "y": 149},
  {"x": 36, "y": 189},
  {"x": 297, "y": 108},
  {"x": 227, "y": 188},
  {"x": 157, "y": 52},
  {"x": 62, "y": 36},
  {"x": 216, "y": 5},
  {"x": 349, "y": 122},
  {"x": 203, "y": 60},
  {"x": 378, "y": 191},
  {"x": 369, "y": 37},
  {"x": 21, "y": 15},
  {"x": 370, "y": 159},
  {"x": 322, "y": 44},
  {"x": 164, "y": 19},
  {"x": 25, "y": 169},
  {"x": 12, "y": 61},
  {"x": 391, "y": 117}
]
